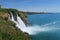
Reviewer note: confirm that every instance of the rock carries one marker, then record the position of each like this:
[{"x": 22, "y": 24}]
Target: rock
[
  {"x": 4, "y": 15},
  {"x": 23, "y": 17}
]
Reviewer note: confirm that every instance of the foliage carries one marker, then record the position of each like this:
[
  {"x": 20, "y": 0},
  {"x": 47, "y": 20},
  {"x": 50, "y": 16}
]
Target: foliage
[
  {"x": 3, "y": 10},
  {"x": 9, "y": 31}
]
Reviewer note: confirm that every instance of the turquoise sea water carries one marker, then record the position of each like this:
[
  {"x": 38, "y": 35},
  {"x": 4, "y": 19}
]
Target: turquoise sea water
[{"x": 49, "y": 21}]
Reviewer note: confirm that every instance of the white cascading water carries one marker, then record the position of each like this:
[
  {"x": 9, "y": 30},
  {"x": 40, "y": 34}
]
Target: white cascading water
[
  {"x": 31, "y": 30},
  {"x": 19, "y": 23}
]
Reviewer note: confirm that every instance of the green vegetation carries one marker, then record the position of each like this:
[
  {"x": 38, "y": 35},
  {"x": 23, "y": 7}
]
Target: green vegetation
[
  {"x": 14, "y": 11},
  {"x": 8, "y": 29},
  {"x": 3, "y": 10}
]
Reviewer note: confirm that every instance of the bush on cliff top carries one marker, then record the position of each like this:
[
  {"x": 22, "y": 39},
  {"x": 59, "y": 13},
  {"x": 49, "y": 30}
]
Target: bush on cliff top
[{"x": 3, "y": 10}]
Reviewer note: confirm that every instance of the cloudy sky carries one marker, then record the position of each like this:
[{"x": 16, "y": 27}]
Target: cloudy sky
[{"x": 32, "y": 5}]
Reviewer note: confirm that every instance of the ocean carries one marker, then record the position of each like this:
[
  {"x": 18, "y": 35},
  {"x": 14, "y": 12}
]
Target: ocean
[{"x": 48, "y": 25}]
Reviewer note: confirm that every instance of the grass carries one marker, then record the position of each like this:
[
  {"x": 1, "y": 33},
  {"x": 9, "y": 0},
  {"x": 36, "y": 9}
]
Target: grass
[{"x": 9, "y": 31}]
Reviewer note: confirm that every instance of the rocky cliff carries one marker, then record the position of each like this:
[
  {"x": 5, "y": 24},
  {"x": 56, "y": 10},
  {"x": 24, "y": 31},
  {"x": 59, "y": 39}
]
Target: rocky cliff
[{"x": 8, "y": 29}]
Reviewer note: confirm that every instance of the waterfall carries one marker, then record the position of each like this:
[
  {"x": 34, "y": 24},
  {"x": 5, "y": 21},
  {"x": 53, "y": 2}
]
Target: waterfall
[
  {"x": 11, "y": 17},
  {"x": 19, "y": 23},
  {"x": 31, "y": 29}
]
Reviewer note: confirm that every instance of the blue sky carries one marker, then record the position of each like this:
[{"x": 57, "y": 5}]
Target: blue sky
[{"x": 33, "y": 5}]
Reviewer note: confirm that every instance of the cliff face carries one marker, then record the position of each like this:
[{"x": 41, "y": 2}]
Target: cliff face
[
  {"x": 8, "y": 29},
  {"x": 4, "y": 15},
  {"x": 23, "y": 17}
]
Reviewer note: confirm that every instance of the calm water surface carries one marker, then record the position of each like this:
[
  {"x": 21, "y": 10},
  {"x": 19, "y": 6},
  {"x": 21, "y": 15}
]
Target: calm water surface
[{"x": 52, "y": 21}]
